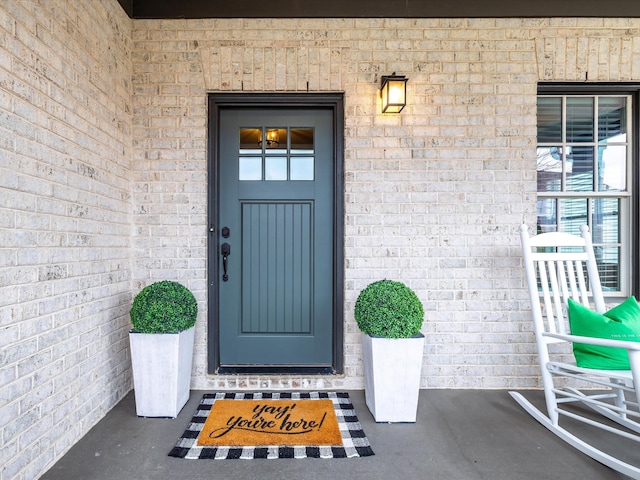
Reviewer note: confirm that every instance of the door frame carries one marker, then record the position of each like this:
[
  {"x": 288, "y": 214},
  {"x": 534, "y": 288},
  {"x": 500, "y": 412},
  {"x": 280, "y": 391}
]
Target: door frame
[{"x": 217, "y": 102}]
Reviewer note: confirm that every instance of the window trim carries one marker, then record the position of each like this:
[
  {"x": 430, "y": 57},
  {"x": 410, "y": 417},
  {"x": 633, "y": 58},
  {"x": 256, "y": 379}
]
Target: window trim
[{"x": 633, "y": 90}]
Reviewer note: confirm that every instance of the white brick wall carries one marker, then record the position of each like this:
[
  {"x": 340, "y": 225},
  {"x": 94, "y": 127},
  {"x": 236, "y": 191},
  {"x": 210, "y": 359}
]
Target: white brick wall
[
  {"x": 65, "y": 225},
  {"x": 103, "y": 186},
  {"x": 434, "y": 195}
]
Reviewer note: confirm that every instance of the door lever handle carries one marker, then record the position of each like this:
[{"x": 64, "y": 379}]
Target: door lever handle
[{"x": 226, "y": 251}]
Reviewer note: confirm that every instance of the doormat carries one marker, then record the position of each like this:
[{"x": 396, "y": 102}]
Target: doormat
[{"x": 273, "y": 425}]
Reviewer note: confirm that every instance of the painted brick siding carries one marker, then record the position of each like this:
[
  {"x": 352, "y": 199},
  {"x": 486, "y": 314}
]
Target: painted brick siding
[
  {"x": 65, "y": 225},
  {"x": 433, "y": 196}
]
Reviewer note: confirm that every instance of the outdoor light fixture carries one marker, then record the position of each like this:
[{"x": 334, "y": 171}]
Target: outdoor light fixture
[
  {"x": 272, "y": 138},
  {"x": 393, "y": 92}
]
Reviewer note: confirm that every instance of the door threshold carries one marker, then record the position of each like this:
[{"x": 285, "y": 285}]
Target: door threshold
[{"x": 276, "y": 370}]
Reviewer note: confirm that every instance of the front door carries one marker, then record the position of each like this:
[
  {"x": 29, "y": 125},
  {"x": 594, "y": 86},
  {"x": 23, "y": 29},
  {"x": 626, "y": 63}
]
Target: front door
[{"x": 275, "y": 239}]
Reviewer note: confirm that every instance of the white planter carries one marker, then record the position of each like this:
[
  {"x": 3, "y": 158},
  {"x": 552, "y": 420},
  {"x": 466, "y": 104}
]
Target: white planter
[
  {"x": 161, "y": 364},
  {"x": 392, "y": 369}
]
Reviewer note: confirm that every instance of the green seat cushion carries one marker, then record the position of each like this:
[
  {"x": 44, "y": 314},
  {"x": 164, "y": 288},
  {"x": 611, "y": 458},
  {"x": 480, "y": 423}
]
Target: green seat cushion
[{"x": 622, "y": 322}]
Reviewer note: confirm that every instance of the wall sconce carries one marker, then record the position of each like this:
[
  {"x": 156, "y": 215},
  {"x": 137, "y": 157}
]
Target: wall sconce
[
  {"x": 393, "y": 92},
  {"x": 272, "y": 140}
]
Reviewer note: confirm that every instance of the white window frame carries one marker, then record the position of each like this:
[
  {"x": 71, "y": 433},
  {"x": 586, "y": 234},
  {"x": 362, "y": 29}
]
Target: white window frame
[{"x": 626, "y": 197}]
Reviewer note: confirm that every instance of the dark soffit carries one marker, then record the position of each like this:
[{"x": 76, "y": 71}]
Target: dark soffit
[{"x": 159, "y": 9}]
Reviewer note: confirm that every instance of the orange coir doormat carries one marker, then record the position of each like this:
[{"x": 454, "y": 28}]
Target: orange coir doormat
[
  {"x": 260, "y": 422},
  {"x": 354, "y": 442}
]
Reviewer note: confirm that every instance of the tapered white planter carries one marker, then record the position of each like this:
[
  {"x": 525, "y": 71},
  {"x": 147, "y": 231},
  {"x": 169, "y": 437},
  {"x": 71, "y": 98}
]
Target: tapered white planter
[
  {"x": 392, "y": 369},
  {"x": 161, "y": 364}
]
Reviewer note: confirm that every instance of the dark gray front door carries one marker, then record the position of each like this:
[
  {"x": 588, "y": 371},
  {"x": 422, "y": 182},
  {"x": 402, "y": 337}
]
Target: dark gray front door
[{"x": 275, "y": 237}]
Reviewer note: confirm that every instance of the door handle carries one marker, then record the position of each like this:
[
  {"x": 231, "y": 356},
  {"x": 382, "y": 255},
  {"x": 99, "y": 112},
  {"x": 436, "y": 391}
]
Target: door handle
[{"x": 226, "y": 251}]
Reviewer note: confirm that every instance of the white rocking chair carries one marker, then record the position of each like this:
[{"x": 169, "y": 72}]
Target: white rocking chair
[{"x": 555, "y": 265}]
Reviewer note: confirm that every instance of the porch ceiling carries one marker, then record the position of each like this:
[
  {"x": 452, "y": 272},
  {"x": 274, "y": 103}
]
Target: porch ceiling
[{"x": 378, "y": 8}]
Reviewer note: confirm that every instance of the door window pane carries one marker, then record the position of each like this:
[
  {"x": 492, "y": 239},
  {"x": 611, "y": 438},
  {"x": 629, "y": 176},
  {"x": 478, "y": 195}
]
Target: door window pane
[
  {"x": 302, "y": 140},
  {"x": 250, "y": 168},
  {"x": 275, "y": 168},
  {"x": 274, "y": 141},
  {"x": 277, "y": 154},
  {"x": 250, "y": 140},
  {"x": 302, "y": 168}
]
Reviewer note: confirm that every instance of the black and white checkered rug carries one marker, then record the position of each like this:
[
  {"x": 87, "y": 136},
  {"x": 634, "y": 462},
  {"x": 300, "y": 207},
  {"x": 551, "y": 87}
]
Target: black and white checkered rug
[{"x": 354, "y": 441}]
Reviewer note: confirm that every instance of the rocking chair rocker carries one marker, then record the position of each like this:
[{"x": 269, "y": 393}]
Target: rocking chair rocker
[{"x": 555, "y": 270}]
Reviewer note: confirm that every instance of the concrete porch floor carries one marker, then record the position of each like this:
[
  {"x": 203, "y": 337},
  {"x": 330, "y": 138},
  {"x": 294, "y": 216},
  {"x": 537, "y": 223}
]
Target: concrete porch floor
[{"x": 459, "y": 435}]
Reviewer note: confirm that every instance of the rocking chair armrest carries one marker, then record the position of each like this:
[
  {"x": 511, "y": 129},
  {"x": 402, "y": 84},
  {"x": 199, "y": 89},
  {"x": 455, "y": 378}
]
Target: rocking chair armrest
[{"x": 603, "y": 342}]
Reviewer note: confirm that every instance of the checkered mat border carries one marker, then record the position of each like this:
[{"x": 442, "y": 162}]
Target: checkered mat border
[{"x": 354, "y": 441}]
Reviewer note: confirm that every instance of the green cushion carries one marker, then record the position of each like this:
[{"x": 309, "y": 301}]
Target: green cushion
[{"x": 620, "y": 323}]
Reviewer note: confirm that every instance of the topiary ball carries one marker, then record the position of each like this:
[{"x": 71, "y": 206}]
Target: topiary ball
[
  {"x": 389, "y": 309},
  {"x": 164, "y": 307}
]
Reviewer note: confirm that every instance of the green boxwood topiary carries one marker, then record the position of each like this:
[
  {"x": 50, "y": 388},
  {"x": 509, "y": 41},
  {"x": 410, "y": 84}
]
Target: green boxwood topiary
[
  {"x": 389, "y": 309},
  {"x": 164, "y": 307}
]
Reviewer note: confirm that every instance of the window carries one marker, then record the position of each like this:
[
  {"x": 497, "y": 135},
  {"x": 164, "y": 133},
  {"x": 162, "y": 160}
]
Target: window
[
  {"x": 276, "y": 154},
  {"x": 585, "y": 158}
]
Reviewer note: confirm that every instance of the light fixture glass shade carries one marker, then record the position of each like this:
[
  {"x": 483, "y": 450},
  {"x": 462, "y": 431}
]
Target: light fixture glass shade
[
  {"x": 393, "y": 92},
  {"x": 272, "y": 138}
]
